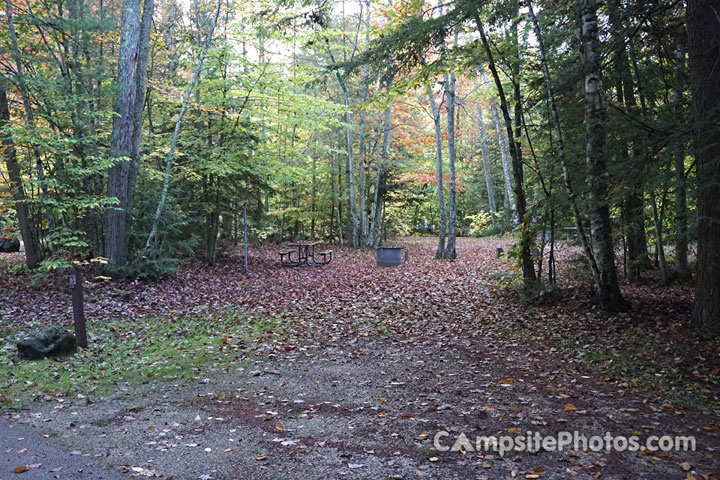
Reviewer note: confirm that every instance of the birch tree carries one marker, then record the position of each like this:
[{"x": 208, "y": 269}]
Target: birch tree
[
  {"x": 486, "y": 162},
  {"x": 607, "y": 289},
  {"x": 178, "y": 124}
]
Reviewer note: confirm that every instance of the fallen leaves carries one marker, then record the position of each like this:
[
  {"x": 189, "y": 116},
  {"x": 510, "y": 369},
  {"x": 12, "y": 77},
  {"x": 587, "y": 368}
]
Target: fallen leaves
[{"x": 436, "y": 318}]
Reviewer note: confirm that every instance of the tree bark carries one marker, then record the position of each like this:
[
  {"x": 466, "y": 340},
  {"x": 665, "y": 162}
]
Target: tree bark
[
  {"x": 336, "y": 198},
  {"x": 439, "y": 174},
  {"x": 28, "y": 231},
  {"x": 384, "y": 159},
  {"x": 634, "y": 203},
  {"x": 121, "y": 140},
  {"x": 449, "y": 252},
  {"x": 502, "y": 146},
  {"x": 363, "y": 125},
  {"x": 140, "y": 92},
  {"x": 659, "y": 247},
  {"x": 561, "y": 152},
  {"x": 528, "y": 267},
  {"x": 704, "y": 51},
  {"x": 607, "y": 289},
  {"x": 681, "y": 240},
  {"x": 486, "y": 164}
]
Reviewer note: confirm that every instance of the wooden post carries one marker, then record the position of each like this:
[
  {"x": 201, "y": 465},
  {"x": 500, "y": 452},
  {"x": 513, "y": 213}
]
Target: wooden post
[
  {"x": 78, "y": 310},
  {"x": 245, "y": 245}
]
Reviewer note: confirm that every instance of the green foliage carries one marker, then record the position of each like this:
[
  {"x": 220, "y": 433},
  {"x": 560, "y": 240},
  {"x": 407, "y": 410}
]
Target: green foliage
[{"x": 479, "y": 222}]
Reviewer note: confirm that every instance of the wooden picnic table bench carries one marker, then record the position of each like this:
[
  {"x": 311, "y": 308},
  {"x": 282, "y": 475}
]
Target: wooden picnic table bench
[{"x": 305, "y": 255}]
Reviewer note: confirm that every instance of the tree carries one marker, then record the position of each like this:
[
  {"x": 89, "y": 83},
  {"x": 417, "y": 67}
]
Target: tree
[
  {"x": 607, "y": 289},
  {"x": 176, "y": 132},
  {"x": 124, "y": 141},
  {"x": 704, "y": 52},
  {"x": 28, "y": 230},
  {"x": 486, "y": 162},
  {"x": 555, "y": 118},
  {"x": 450, "y": 96},
  {"x": 528, "y": 267},
  {"x": 439, "y": 174}
]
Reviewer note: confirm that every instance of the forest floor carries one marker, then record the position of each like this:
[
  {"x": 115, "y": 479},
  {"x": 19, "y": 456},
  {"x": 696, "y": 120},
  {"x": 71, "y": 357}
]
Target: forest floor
[{"x": 350, "y": 371}]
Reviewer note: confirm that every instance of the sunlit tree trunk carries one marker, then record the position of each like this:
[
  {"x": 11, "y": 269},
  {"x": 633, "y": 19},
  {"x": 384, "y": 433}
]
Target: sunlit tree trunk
[
  {"x": 486, "y": 163},
  {"x": 439, "y": 174},
  {"x": 336, "y": 200},
  {"x": 704, "y": 52},
  {"x": 607, "y": 288},
  {"x": 178, "y": 124},
  {"x": 502, "y": 146},
  {"x": 449, "y": 252},
  {"x": 383, "y": 161},
  {"x": 312, "y": 198},
  {"x": 363, "y": 125}
]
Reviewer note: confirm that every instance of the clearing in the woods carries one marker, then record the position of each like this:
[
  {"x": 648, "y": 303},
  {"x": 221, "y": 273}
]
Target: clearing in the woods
[{"x": 351, "y": 371}]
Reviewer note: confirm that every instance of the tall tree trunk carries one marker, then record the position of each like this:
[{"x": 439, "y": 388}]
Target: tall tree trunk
[
  {"x": 178, "y": 123},
  {"x": 659, "y": 247},
  {"x": 439, "y": 174},
  {"x": 486, "y": 164},
  {"x": 608, "y": 291},
  {"x": 449, "y": 252},
  {"x": 336, "y": 197},
  {"x": 634, "y": 203},
  {"x": 29, "y": 118},
  {"x": 363, "y": 125},
  {"x": 352, "y": 217},
  {"x": 528, "y": 267},
  {"x": 681, "y": 240},
  {"x": 28, "y": 231},
  {"x": 383, "y": 160},
  {"x": 312, "y": 199},
  {"x": 353, "y": 227},
  {"x": 704, "y": 52},
  {"x": 140, "y": 92},
  {"x": 502, "y": 146},
  {"x": 561, "y": 154},
  {"x": 121, "y": 140},
  {"x": 526, "y": 221},
  {"x": 505, "y": 159}
]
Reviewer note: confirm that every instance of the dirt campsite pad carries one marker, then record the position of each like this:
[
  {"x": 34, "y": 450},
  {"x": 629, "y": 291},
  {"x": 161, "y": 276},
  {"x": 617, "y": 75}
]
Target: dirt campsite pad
[{"x": 350, "y": 371}]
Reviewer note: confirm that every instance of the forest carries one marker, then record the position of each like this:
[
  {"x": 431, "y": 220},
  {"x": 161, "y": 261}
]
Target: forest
[
  {"x": 140, "y": 134},
  {"x": 550, "y": 168}
]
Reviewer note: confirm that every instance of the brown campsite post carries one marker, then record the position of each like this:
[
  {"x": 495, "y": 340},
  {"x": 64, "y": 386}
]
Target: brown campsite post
[{"x": 78, "y": 310}]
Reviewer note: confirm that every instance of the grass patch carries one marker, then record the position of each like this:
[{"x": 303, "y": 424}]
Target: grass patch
[{"x": 130, "y": 353}]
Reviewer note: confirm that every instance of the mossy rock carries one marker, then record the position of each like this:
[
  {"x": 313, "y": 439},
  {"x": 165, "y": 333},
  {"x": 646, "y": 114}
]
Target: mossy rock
[{"x": 48, "y": 342}]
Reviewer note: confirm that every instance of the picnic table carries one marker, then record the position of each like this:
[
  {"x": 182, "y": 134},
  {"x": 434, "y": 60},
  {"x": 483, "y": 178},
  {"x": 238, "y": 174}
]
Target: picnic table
[{"x": 305, "y": 254}]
